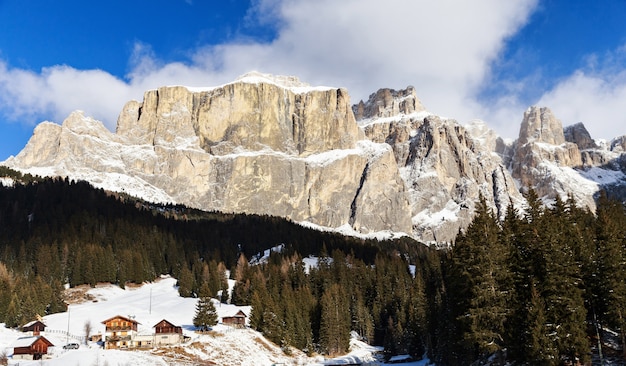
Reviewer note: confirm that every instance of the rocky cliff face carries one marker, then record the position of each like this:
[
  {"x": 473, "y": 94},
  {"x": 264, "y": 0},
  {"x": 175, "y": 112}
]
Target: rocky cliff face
[
  {"x": 388, "y": 103},
  {"x": 258, "y": 145},
  {"x": 579, "y": 135},
  {"x": 541, "y": 139},
  {"x": 444, "y": 165},
  {"x": 558, "y": 162},
  {"x": 276, "y": 146},
  {"x": 243, "y": 115}
]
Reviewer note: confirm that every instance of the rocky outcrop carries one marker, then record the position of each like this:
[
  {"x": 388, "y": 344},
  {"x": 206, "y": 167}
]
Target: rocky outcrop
[
  {"x": 619, "y": 144},
  {"x": 540, "y": 125},
  {"x": 579, "y": 135},
  {"x": 258, "y": 145},
  {"x": 560, "y": 162},
  {"x": 243, "y": 115},
  {"x": 445, "y": 167},
  {"x": 387, "y": 103},
  {"x": 541, "y": 139}
]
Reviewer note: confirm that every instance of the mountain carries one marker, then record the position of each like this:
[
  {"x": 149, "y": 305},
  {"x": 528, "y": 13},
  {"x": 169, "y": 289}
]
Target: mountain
[
  {"x": 274, "y": 145},
  {"x": 557, "y": 162}
]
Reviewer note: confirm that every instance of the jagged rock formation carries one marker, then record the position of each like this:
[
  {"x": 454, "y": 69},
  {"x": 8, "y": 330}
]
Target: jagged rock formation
[
  {"x": 619, "y": 144},
  {"x": 257, "y": 145},
  {"x": 273, "y": 145},
  {"x": 578, "y": 134},
  {"x": 444, "y": 166},
  {"x": 558, "y": 162},
  {"x": 388, "y": 103},
  {"x": 541, "y": 139}
]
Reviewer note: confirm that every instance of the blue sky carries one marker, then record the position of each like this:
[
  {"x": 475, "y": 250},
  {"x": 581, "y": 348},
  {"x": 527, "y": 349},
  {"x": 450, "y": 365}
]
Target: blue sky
[{"x": 485, "y": 59}]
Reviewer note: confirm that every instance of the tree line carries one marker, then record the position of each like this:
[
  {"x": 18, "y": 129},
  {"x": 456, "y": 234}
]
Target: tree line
[
  {"x": 318, "y": 308},
  {"x": 535, "y": 287},
  {"x": 56, "y": 232}
]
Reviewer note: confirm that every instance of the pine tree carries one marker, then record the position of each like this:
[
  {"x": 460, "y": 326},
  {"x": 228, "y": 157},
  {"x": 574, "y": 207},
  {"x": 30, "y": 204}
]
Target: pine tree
[
  {"x": 481, "y": 276},
  {"x": 5, "y": 290},
  {"x": 241, "y": 294},
  {"x": 13, "y": 315},
  {"x": 362, "y": 321},
  {"x": 537, "y": 348},
  {"x": 256, "y": 315},
  {"x": 521, "y": 323},
  {"x": 609, "y": 285},
  {"x": 417, "y": 318},
  {"x": 335, "y": 321},
  {"x": 185, "y": 282},
  {"x": 206, "y": 314},
  {"x": 562, "y": 286},
  {"x": 304, "y": 333}
]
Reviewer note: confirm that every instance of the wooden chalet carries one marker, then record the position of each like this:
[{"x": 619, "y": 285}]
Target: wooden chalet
[
  {"x": 167, "y": 333},
  {"x": 119, "y": 332},
  {"x": 31, "y": 348},
  {"x": 34, "y": 328},
  {"x": 236, "y": 320}
]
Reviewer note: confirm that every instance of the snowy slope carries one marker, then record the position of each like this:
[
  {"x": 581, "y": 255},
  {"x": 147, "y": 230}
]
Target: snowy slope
[{"x": 148, "y": 305}]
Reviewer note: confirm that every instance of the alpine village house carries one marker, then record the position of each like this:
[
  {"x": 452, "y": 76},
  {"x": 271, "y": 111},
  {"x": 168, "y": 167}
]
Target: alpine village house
[{"x": 121, "y": 332}]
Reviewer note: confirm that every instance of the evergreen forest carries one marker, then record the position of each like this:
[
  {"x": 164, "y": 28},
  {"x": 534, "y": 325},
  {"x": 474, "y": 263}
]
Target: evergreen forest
[{"x": 539, "y": 286}]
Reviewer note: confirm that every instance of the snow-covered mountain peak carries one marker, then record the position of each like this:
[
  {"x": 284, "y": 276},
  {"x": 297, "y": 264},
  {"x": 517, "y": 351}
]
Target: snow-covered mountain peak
[{"x": 281, "y": 80}]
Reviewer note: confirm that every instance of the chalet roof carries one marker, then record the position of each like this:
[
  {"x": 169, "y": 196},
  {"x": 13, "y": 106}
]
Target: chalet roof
[
  {"x": 28, "y": 341},
  {"x": 236, "y": 314},
  {"x": 32, "y": 323},
  {"x": 168, "y": 323},
  {"x": 122, "y": 318}
]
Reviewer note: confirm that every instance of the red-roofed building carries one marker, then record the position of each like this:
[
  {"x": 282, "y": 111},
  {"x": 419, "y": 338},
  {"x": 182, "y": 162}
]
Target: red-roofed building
[
  {"x": 34, "y": 328},
  {"x": 167, "y": 333},
  {"x": 30, "y": 348},
  {"x": 237, "y": 319}
]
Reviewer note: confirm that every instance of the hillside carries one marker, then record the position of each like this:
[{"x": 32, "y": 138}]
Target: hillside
[
  {"x": 149, "y": 304},
  {"x": 399, "y": 295}
]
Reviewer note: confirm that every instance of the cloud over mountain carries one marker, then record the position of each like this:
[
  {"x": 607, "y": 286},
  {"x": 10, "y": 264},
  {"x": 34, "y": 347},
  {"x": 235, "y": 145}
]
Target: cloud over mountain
[{"x": 446, "y": 49}]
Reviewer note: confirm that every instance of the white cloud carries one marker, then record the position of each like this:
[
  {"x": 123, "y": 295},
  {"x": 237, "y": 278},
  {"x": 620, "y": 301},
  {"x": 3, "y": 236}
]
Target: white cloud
[
  {"x": 597, "y": 100},
  {"x": 444, "y": 48},
  {"x": 58, "y": 90}
]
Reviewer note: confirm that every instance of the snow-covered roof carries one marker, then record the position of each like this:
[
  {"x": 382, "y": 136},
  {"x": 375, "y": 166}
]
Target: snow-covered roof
[
  {"x": 27, "y": 341},
  {"x": 166, "y": 321},
  {"x": 121, "y": 317},
  {"x": 32, "y": 323},
  {"x": 235, "y": 313}
]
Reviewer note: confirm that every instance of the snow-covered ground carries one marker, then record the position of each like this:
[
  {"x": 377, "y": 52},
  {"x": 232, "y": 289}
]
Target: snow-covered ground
[
  {"x": 149, "y": 304},
  {"x": 7, "y": 182}
]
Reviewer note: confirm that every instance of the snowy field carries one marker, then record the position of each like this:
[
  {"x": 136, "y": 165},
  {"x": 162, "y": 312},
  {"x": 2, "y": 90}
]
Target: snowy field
[{"x": 148, "y": 305}]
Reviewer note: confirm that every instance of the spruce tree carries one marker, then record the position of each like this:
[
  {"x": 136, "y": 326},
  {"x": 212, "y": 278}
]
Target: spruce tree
[
  {"x": 610, "y": 274},
  {"x": 537, "y": 348},
  {"x": 206, "y": 314},
  {"x": 417, "y": 318},
  {"x": 481, "y": 276},
  {"x": 185, "y": 282},
  {"x": 362, "y": 321},
  {"x": 335, "y": 321},
  {"x": 13, "y": 315},
  {"x": 562, "y": 286}
]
